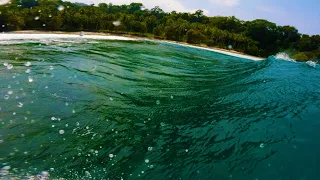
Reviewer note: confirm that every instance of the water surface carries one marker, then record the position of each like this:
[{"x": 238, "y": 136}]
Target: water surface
[{"x": 93, "y": 109}]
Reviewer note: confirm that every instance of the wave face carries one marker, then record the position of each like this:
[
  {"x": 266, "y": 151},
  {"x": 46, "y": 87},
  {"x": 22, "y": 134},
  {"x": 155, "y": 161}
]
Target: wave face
[{"x": 93, "y": 109}]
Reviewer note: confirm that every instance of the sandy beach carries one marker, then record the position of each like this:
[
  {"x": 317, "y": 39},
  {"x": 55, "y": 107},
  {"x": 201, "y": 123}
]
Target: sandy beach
[{"x": 30, "y": 34}]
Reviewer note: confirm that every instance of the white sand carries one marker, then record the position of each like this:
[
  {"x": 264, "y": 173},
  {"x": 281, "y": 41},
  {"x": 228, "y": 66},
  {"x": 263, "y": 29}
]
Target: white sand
[{"x": 6, "y": 37}]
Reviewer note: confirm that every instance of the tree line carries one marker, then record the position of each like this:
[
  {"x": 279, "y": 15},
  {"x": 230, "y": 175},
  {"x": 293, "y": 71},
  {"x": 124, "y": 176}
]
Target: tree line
[{"x": 259, "y": 37}]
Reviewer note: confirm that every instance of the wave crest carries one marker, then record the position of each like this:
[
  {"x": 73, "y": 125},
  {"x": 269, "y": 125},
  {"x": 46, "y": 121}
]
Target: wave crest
[
  {"x": 283, "y": 56},
  {"x": 312, "y": 63}
]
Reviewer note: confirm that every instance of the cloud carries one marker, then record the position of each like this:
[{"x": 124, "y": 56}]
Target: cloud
[
  {"x": 228, "y": 3},
  {"x": 166, "y": 5}
]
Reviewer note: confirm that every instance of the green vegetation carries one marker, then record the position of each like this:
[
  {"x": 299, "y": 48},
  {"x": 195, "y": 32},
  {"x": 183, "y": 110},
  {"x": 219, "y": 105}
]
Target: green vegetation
[{"x": 258, "y": 37}]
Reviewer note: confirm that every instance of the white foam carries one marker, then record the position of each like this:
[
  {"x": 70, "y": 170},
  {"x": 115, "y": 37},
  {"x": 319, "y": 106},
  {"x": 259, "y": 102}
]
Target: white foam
[
  {"x": 6, "y": 37},
  {"x": 312, "y": 63},
  {"x": 221, "y": 52},
  {"x": 283, "y": 56}
]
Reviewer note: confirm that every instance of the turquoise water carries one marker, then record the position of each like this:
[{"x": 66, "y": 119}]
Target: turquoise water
[{"x": 90, "y": 109}]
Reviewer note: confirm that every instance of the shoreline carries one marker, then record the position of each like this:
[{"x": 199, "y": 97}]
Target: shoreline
[{"x": 111, "y": 36}]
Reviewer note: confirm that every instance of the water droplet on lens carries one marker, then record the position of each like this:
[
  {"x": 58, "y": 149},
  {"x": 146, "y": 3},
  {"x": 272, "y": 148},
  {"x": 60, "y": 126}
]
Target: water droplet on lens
[
  {"x": 61, "y": 132},
  {"x": 27, "y": 64},
  {"x": 10, "y": 66},
  {"x": 6, "y": 97},
  {"x": 116, "y": 23},
  {"x": 30, "y": 79},
  {"x": 20, "y": 104},
  {"x": 60, "y": 8}
]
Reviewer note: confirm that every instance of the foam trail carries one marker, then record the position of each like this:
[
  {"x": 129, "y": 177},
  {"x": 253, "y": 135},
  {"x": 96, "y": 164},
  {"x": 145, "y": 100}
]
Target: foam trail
[{"x": 6, "y": 37}]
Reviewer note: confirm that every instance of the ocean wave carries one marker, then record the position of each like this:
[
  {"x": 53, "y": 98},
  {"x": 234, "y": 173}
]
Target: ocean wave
[
  {"x": 312, "y": 63},
  {"x": 283, "y": 56}
]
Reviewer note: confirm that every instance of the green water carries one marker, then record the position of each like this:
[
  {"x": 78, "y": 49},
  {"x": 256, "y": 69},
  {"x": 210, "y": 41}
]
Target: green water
[{"x": 141, "y": 110}]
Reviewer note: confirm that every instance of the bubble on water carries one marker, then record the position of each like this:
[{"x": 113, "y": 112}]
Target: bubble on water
[
  {"x": 6, "y": 97},
  {"x": 151, "y": 166},
  {"x": 14, "y": 113},
  {"x": 28, "y": 71},
  {"x": 1, "y": 141},
  {"x": 187, "y": 150},
  {"x": 73, "y": 111},
  {"x": 261, "y": 145},
  {"x": 53, "y": 126},
  {"x": 44, "y": 25},
  {"x": 10, "y": 92},
  {"x": 30, "y": 79},
  {"x": 20, "y": 104},
  {"x": 53, "y": 118},
  {"x": 96, "y": 151},
  {"x": 171, "y": 97},
  {"x": 67, "y": 104},
  {"x": 116, "y": 23},
  {"x": 10, "y": 66},
  {"x": 5, "y": 64},
  {"x": 147, "y": 161},
  {"x": 61, "y": 132},
  {"x": 111, "y": 155},
  {"x": 150, "y": 148},
  {"x": 60, "y": 8},
  {"x": 111, "y": 99},
  {"x": 158, "y": 102},
  {"x": 51, "y": 68},
  {"x": 27, "y": 64},
  {"x": 36, "y": 18},
  {"x": 50, "y": 15},
  {"x": 46, "y": 87}
]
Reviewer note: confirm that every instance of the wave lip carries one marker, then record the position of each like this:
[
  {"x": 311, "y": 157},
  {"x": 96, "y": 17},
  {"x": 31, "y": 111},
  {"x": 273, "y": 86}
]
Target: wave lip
[{"x": 6, "y": 37}]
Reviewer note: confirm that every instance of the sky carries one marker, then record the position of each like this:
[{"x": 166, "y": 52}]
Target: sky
[{"x": 302, "y": 14}]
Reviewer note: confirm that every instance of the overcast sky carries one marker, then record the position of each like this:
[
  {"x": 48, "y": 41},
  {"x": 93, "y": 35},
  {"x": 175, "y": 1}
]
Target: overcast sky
[{"x": 303, "y": 14}]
